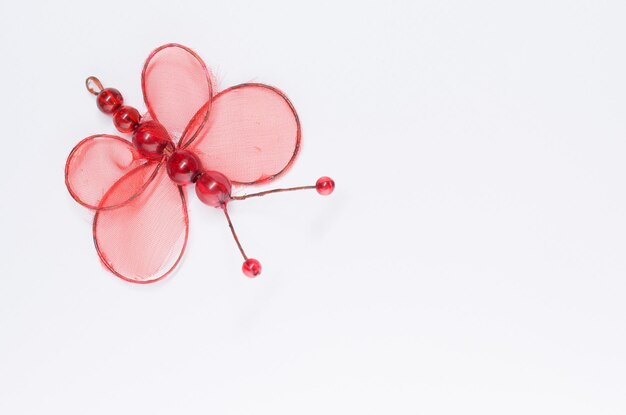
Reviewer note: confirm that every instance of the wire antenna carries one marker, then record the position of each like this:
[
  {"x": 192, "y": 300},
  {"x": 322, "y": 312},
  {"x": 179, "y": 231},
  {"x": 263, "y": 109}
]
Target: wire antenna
[
  {"x": 267, "y": 192},
  {"x": 251, "y": 267},
  {"x": 232, "y": 230}
]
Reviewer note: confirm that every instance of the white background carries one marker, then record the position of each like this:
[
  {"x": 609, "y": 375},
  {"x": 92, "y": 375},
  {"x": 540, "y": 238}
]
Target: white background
[{"x": 471, "y": 259}]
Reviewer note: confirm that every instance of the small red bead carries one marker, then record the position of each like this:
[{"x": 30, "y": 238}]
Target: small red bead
[
  {"x": 325, "y": 186},
  {"x": 109, "y": 100},
  {"x": 183, "y": 167},
  {"x": 252, "y": 268},
  {"x": 151, "y": 139},
  {"x": 213, "y": 188},
  {"x": 126, "y": 119}
]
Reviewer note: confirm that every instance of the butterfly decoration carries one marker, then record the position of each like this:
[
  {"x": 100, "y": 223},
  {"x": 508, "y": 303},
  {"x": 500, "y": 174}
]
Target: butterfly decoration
[{"x": 245, "y": 135}]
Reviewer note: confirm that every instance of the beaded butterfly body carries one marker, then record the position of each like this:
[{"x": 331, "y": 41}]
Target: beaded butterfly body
[{"x": 248, "y": 134}]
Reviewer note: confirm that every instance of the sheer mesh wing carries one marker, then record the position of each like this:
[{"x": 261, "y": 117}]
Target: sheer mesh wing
[
  {"x": 95, "y": 164},
  {"x": 144, "y": 240},
  {"x": 252, "y": 135},
  {"x": 176, "y": 84}
]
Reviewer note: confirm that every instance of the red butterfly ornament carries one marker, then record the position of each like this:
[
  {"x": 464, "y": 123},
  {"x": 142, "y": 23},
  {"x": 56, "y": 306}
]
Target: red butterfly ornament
[{"x": 248, "y": 134}]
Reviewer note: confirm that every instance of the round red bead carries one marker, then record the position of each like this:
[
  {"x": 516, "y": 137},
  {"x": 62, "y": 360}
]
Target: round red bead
[
  {"x": 151, "y": 139},
  {"x": 325, "y": 185},
  {"x": 183, "y": 167},
  {"x": 252, "y": 268},
  {"x": 109, "y": 100},
  {"x": 126, "y": 119},
  {"x": 213, "y": 188}
]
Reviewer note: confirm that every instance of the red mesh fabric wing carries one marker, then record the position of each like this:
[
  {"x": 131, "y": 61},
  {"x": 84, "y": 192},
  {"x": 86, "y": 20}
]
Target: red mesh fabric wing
[
  {"x": 176, "y": 84},
  {"x": 134, "y": 183},
  {"x": 252, "y": 135},
  {"x": 143, "y": 240},
  {"x": 95, "y": 164}
]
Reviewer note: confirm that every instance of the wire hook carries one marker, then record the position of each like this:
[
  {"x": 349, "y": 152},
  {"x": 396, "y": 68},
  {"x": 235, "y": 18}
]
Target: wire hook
[{"x": 92, "y": 80}]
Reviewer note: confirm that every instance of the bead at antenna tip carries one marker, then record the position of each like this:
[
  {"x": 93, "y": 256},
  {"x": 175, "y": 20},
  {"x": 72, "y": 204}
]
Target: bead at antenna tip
[
  {"x": 325, "y": 185},
  {"x": 251, "y": 268}
]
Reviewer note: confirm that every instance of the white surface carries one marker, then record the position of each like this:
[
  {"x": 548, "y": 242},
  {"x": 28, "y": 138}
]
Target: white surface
[{"x": 471, "y": 260}]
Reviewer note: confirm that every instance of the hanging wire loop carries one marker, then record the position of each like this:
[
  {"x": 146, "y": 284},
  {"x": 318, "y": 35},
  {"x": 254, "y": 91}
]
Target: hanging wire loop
[{"x": 92, "y": 81}]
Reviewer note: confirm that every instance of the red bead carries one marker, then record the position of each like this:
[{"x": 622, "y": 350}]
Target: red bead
[
  {"x": 213, "y": 188},
  {"x": 252, "y": 268},
  {"x": 151, "y": 139},
  {"x": 126, "y": 119},
  {"x": 109, "y": 100},
  {"x": 183, "y": 167},
  {"x": 325, "y": 186}
]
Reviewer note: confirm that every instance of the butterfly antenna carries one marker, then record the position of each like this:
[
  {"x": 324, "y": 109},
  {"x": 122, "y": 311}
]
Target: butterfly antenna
[
  {"x": 324, "y": 186},
  {"x": 251, "y": 267}
]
